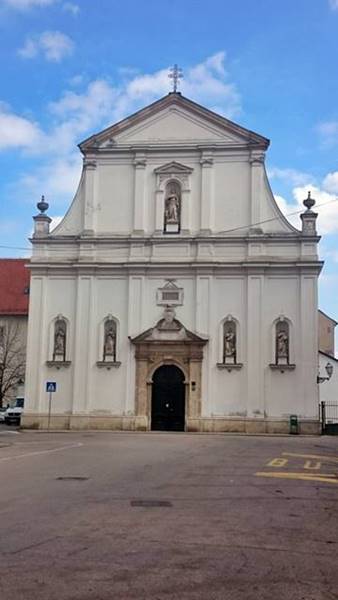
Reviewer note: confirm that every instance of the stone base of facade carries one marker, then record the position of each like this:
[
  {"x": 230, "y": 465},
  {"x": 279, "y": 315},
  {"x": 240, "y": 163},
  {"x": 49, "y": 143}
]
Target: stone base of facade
[
  {"x": 258, "y": 426},
  {"x": 141, "y": 423}
]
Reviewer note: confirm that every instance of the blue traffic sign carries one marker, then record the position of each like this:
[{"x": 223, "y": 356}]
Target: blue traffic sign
[{"x": 50, "y": 386}]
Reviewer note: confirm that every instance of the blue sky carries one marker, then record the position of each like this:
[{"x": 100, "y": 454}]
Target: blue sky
[{"x": 70, "y": 68}]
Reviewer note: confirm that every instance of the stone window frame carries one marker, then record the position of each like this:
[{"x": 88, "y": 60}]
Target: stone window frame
[
  {"x": 169, "y": 287},
  {"x": 181, "y": 174},
  {"x": 222, "y": 363},
  {"x": 177, "y": 182},
  {"x": 52, "y": 361},
  {"x": 107, "y": 361},
  {"x": 275, "y": 364}
]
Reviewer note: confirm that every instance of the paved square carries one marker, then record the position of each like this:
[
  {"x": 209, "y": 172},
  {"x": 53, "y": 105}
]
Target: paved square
[{"x": 98, "y": 516}]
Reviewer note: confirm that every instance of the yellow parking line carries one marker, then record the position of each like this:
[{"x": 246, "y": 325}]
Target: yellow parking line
[
  {"x": 326, "y": 477},
  {"x": 314, "y": 456}
]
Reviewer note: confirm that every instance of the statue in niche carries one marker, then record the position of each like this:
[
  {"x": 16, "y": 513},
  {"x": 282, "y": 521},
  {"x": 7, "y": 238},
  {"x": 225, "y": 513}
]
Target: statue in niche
[
  {"x": 229, "y": 341},
  {"x": 172, "y": 208},
  {"x": 172, "y": 205},
  {"x": 282, "y": 342},
  {"x": 169, "y": 314},
  {"x": 168, "y": 321},
  {"x": 109, "y": 347},
  {"x": 59, "y": 352}
]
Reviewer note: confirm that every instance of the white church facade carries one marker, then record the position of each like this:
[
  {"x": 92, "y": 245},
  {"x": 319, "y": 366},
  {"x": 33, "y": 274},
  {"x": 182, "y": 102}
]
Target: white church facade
[{"x": 174, "y": 295}]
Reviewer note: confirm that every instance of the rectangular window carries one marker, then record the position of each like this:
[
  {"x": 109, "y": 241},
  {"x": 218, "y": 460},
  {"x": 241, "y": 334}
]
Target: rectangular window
[{"x": 170, "y": 296}]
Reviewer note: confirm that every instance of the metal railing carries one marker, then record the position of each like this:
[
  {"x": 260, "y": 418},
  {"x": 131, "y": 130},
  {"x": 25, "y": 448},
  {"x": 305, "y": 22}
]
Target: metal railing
[{"x": 328, "y": 412}]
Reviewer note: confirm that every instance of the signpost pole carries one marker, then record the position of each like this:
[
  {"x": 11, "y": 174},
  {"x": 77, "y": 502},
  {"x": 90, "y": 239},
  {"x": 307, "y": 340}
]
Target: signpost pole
[
  {"x": 50, "y": 389},
  {"x": 49, "y": 408}
]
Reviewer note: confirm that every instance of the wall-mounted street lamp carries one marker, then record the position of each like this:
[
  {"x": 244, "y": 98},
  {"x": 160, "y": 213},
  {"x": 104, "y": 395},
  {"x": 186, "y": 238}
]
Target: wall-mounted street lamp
[{"x": 329, "y": 370}]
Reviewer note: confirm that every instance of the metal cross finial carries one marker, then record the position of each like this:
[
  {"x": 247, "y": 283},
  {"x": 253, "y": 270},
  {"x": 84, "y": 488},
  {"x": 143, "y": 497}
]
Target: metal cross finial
[{"x": 175, "y": 74}]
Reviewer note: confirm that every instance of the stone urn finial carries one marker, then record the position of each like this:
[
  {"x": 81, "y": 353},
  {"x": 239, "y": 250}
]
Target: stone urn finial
[
  {"x": 42, "y": 205},
  {"x": 309, "y": 217},
  {"x": 309, "y": 202},
  {"x": 41, "y": 221}
]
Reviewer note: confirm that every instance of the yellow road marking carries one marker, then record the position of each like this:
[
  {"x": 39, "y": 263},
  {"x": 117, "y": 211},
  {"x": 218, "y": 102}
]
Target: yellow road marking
[
  {"x": 312, "y": 465},
  {"x": 278, "y": 462},
  {"x": 326, "y": 477},
  {"x": 313, "y": 456}
]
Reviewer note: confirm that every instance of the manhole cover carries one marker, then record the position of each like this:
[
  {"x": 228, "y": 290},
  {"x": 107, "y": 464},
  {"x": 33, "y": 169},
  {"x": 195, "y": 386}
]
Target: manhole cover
[
  {"x": 72, "y": 478},
  {"x": 150, "y": 503}
]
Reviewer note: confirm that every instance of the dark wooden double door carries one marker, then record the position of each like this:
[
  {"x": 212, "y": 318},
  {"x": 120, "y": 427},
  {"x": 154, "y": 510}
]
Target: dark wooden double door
[{"x": 168, "y": 399}]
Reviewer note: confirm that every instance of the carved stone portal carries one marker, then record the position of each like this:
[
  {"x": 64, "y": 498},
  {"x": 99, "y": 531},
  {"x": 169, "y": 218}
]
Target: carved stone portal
[{"x": 169, "y": 342}]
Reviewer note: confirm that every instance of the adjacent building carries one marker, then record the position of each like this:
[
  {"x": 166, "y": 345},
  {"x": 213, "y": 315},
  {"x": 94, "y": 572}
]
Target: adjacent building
[
  {"x": 14, "y": 296},
  {"x": 326, "y": 333}
]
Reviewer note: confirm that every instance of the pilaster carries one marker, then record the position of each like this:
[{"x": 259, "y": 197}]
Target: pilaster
[
  {"x": 207, "y": 192},
  {"x": 81, "y": 345},
  {"x": 257, "y": 173},
  {"x": 90, "y": 196},
  {"x": 36, "y": 344},
  {"x": 308, "y": 404},
  {"x": 159, "y": 211},
  {"x": 255, "y": 354},
  {"x": 140, "y": 163}
]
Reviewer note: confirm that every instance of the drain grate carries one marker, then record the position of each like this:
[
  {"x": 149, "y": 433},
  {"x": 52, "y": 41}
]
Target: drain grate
[
  {"x": 150, "y": 503},
  {"x": 71, "y": 478}
]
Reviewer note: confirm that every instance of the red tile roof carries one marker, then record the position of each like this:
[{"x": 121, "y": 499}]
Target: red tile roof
[{"x": 14, "y": 286}]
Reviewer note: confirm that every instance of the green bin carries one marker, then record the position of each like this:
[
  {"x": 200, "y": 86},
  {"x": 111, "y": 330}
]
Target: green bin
[{"x": 294, "y": 427}]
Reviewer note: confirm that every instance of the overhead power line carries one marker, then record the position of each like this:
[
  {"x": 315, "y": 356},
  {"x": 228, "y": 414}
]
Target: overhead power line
[{"x": 296, "y": 212}]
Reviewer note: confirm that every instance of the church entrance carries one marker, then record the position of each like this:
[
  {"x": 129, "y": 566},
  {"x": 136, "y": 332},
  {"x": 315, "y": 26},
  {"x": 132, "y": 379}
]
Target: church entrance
[{"x": 168, "y": 399}]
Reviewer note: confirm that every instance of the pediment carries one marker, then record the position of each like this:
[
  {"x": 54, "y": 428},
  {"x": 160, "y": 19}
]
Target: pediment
[
  {"x": 172, "y": 332},
  {"x": 174, "y": 120},
  {"x": 172, "y": 125},
  {"x": 173, "y": 167}
]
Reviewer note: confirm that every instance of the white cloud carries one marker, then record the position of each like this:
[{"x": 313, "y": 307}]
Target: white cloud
[
  {"x": 328, "y": 131},
  {"x": 291, "y": 176},
  {"x": 53, "y": 45},
  {"x": 76, "y": 114},
  {"x": 333, "y": 254},
  {"x": 27, "y": 4},
  {"x": 17, "y": 131},
  {"x": 206, "y": 83},
  {"x": 72, "y": 8},
  {"x": 57, "y": 180},
  {"x": 30, "y": 49},
  {"x": 101, "y": 103},
  {"x": 330, "y": 183},
  {"x": 76, "y": 80},
  {"x": 326, "y": 206},
  {"x": 288, "y": 209}
]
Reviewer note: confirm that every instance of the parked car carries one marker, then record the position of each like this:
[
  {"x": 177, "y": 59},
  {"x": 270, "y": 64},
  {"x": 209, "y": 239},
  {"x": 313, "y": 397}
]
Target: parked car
[
  {"x": 13, "y": 413},
  {"x": 2, "y": 414}
]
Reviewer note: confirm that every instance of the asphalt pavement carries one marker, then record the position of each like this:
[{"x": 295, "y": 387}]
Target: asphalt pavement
[{"x": 100, "y": 515}]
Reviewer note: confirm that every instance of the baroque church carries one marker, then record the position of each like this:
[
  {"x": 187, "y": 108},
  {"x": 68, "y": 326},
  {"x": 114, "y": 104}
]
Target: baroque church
[{"x": 174, "y": 295}]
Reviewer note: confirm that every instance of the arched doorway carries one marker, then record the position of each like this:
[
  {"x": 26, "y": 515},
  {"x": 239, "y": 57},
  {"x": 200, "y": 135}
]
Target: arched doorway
[{"x": 168, "y": 399}]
